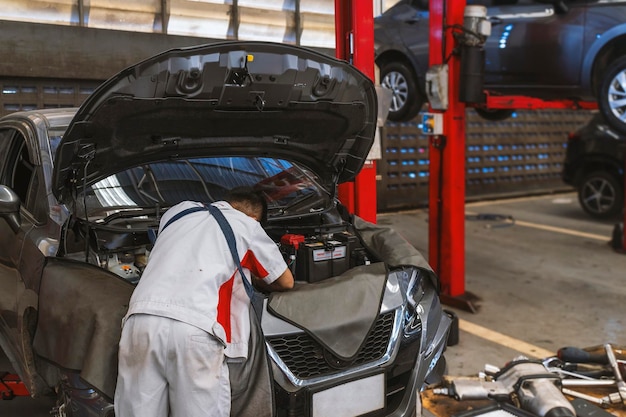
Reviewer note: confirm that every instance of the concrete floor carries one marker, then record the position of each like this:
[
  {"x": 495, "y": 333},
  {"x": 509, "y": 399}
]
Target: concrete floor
[{"x": 547, "y": 281}]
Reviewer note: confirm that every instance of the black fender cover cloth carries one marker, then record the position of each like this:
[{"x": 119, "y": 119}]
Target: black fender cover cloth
[
  {"x": 340, "y": 312},
  {"x": 80, "y": 316}
]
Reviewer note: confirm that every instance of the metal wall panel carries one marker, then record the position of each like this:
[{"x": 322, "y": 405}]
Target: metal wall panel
[
  {"x": 265, "y": 20},
  {"x": 208, "y": 19},
  {"x": 28, "y": 94},
  {"x": 52, "y": 51},
  {"x": 271, "y": 24},
  {"x": 317, "y": 23},
  {"x": 517, "y": 156},
  {"x": 60, "y": 12},
  {"x": 135, "y": 15}
]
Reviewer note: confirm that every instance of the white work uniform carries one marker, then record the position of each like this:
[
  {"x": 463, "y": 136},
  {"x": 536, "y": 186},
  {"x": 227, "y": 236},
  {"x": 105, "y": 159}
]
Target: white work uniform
[{"x": 189, "y": 310}]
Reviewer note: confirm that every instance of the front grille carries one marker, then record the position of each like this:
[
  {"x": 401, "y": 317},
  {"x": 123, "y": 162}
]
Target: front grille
[{"x": 305, "y": 357}]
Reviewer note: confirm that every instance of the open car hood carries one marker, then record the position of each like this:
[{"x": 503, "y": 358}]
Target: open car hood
[{"x": 230, "y": 98}]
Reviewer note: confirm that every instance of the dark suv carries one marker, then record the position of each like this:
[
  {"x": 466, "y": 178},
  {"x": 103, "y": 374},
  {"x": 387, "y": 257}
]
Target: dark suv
[
  {"x": 561, "y": 49},
  {"x": 594, "y": 164}
]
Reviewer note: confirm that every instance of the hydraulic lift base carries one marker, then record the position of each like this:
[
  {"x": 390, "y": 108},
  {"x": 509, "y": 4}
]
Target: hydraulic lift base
[{"x": 466, "y": 301}]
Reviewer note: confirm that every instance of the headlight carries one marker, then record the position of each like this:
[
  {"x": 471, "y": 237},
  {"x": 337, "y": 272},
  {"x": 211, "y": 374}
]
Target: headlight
[{"x": 410, "y": 281}]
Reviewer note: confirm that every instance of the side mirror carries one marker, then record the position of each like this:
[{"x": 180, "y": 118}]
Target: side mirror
[{"x": 10, "y": 207}]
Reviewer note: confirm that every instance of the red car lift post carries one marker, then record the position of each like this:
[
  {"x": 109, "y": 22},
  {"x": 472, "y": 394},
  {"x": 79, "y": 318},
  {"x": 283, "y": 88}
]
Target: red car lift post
[
  {"x": 447, "y": 157},
  {"x": 532, "y": 103},
  {"x": 354, "y": 42},
  {"x": 446, "y": 237}
]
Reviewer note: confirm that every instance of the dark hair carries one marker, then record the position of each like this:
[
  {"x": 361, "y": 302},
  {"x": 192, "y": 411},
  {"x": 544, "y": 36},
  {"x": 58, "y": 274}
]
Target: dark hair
[{"x": 249, "y": 200}]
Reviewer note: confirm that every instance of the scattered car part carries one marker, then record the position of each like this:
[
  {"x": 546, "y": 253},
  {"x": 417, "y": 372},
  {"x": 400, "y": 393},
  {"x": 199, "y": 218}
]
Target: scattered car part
[
  {"x": 619, "y": 380},
  {"x": 537, "y": 390}
]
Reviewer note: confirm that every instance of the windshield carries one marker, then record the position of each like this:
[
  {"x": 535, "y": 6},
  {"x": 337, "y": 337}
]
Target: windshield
[{"x": 289, "y": 189}]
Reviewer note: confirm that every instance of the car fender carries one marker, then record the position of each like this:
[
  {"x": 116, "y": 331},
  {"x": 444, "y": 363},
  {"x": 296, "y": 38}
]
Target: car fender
[
  {"x": 595, "y": 50},
  {"x": 598, "y": 163}
]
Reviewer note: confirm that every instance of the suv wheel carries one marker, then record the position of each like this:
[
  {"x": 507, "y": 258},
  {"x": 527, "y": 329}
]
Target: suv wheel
[
  {"x": 406, "y": 100},
  {"x": 612, "y": 95},
  {"x": 601, "y": 195}
]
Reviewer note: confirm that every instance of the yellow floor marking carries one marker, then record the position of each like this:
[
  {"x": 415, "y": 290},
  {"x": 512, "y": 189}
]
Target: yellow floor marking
[
  {"x": 555, "y": 229},
  {"x": 513, "y": 200},
  {"x": 531, "y": 351},
  {"x": 563, "y": 230}
]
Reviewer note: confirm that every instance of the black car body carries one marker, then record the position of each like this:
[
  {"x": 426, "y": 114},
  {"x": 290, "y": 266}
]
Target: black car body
[
  {"x": 82, "y": 189},
  {"x": 550, "y": 50},
  {"x": 594, "y": 164}
]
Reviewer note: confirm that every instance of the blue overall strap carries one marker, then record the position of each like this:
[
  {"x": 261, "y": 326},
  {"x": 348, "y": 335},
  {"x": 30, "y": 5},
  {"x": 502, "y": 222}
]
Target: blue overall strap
[
  {"x": 152, "y": 234},
  {"x": 183, "y": 213},
  {"x": 232, "y": 245},
  {"x": 228, "y": 234}
]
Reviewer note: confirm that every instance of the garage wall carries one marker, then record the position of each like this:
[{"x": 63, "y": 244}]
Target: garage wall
[
  {"x": 56, "y": 52},
  {"x": 518, "y": 156}
]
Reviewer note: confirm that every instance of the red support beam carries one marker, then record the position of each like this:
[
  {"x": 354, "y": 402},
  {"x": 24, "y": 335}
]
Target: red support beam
[
  {"x": 532, "y": 103},
  {"x": 354, "y": 40},
  {"x": 446, "y": 249}
]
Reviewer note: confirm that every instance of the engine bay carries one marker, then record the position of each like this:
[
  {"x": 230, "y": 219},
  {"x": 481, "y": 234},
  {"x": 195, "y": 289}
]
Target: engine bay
[{"x": 123, "y": 243}]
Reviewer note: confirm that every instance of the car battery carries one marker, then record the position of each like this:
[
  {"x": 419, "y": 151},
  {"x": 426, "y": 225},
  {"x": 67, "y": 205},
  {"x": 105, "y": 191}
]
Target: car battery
[{"x": 315, "y": 259}]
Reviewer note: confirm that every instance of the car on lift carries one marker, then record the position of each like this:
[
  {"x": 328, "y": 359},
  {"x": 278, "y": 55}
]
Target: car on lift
[
  {"x": 555, "y": 49},
  {"x": 594, "y": 165},
  {"x": 82, "y": 189}
]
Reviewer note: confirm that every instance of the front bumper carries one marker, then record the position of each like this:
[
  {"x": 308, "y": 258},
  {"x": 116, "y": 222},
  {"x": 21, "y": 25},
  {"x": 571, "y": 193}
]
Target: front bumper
[{"x": 405, "y": 367}]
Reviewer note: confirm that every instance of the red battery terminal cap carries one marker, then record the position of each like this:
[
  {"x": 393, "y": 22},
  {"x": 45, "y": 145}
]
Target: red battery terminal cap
[{"x": 292, "y": 240}]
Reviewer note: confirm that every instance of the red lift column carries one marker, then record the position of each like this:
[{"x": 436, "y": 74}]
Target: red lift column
[
  {"x": 446, "y": 243},
  {"x": 354, "y": 42}
]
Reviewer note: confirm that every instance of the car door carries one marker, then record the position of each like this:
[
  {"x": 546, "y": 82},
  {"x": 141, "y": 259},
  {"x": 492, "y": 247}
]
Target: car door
[
  {"x": 407, "y": 23},
  {"x": 534, "y": 45},
  {"x": 21, "y": 261}
]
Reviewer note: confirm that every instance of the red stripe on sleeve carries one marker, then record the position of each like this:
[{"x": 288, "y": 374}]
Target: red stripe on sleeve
[
  {"x": 223, "y": 306},
  {"x": 250, "y": 262}
]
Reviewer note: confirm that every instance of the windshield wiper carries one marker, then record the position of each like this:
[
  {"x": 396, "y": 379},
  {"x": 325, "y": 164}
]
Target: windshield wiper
[{"x": 297, "y": 202}]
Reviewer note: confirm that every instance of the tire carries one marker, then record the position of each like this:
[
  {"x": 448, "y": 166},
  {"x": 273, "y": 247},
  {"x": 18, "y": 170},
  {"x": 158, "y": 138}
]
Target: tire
[
  {"x": 494, "y": 115},
  {"x": 407, "y": 99},
  {"x": 453, "y": 335},
  {"x": 601, "y": 195},
  {"x": 612, "y": 95}
]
